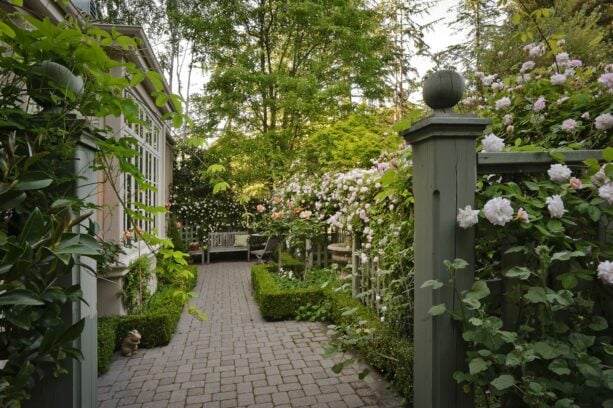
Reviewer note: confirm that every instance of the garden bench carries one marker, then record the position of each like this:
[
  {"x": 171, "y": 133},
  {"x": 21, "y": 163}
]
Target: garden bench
[{"x": 223, "y": 242}]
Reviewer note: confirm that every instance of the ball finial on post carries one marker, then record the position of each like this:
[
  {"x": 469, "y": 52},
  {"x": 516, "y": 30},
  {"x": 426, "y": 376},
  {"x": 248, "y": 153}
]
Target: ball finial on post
[{"x": 443, "y": 90}]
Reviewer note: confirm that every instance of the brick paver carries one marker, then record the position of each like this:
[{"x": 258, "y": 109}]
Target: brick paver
[{"x": 236, "y": 359}]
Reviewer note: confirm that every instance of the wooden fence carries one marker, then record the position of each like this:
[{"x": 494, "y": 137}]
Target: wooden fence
[{"x": 445, "y": 168}]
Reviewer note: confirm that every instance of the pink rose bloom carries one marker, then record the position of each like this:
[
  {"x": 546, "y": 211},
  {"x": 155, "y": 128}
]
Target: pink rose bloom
[
  {"x": 508, "y": 119},
  {"x": 569, "y": 125},
  {"x": 479, "y": 74},
  {"x": 510, "y": 128},
  {"x": 260, "y": 208},
  {"x": 586, "y": 116},
  {"x": 502, "y": 103},
  {"x": 575, "y": 183},
  {"x": 306, "y": 214},
  {"x": 575, "y": 63},
  {"x": 527, "y": 66},
  {"x": 497, "y": 86},
  {"x": 562, "y": 58},
  {"x": 539, "y": 105},
  {"x": 558, "y": 79},
  {"x": 607, "y": 80},
  {"x": 604, "y": 121},
  {"x": 522, "y": 216}
]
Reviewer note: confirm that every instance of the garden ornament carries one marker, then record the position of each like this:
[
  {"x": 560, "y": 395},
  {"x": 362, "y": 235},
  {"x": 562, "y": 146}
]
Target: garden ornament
[
  {"x": 130, "y": 343},
  {"x": 443, "y": 89}
]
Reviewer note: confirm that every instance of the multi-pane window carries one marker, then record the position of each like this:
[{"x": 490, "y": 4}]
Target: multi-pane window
[{"x": 149, "y": 136}]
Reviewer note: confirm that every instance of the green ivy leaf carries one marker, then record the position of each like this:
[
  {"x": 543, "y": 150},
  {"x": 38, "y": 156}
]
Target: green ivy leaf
[
  {"x": 479, "y": 290},
  {"x": 566, "y": 255},
  {"x": 607, "y": 154},
  {"x": 536, "y": 295},
  {"x": 503, "y": 382},
  {"x": 512, "y": 360},
  {"x": 437, "y": 310},
  {"x": 545, "y": 350},
  {"x": 476, "y": 366},
  {"x": 520, "y": 272},
  {"x": 581, "y": 341},
  {"x": 559, "y": 366},
  {"x": 432, "y": 283},
  {"x": 594, "y": 213},
  {"x": 472, "y": 303},
  {"x": 598, "y": 323},
  {"x": 568, "y": 280}
]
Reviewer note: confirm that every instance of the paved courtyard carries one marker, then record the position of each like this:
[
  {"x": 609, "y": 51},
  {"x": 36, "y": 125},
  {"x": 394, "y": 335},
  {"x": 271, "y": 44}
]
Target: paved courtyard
[{"x": 237, "y": 359}]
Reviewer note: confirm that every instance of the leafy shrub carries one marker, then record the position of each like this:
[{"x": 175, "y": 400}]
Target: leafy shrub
[
  {"x": 106, "y": 343},
  {"x": 382, "y": 348},
  {"x": 135, "y": 291},
  {"x": 174, "y": 234},
  {"x": 319, "y": 312},
  {"x": 276, "y": 304}
]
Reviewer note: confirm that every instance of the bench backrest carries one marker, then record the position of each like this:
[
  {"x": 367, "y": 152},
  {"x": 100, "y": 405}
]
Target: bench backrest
[{"x": 223, "y": 239}]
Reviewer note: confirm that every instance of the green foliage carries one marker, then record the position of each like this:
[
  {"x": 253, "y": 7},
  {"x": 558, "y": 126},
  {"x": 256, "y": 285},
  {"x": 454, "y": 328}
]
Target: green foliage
[
  {"x": 554, "y": 346},
  {"x": 319, "y": 312},
  {"x": 106, "y": 343},
  {"x": 172, "y": 270},
  {"x": 174, "y": 234},
  {"x": 108, "y": 257},
  {"x": 194, "y": 202},
  {"x": 42, "y": 232},
  {"x": 135, "y": 290},
  {"x": 354, "y": 141}
]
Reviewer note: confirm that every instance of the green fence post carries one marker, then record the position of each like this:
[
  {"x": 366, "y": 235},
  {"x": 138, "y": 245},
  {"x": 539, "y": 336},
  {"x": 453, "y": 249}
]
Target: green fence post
[{"x": 444, "y": 179}]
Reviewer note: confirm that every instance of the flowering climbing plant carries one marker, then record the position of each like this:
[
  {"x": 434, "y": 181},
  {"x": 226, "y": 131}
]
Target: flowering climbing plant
[
  {"x": 372, "y": 206},
  {"x": 550, "y": 242},
  {"x": 553, "y": 101}
]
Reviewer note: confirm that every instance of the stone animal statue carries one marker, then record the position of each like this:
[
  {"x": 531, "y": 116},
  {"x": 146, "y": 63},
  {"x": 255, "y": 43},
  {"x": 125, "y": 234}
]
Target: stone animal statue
[{"x": 129, "y": 345}]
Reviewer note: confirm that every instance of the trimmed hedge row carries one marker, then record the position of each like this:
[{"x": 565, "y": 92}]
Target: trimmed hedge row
[
  {"x": 106, "y": 343},
  {"x": 276, "y": 304},
  {"x": 156, "y": 325},
  {"x": 288, "y": 262},
  {"x": 387, "y": 351}
]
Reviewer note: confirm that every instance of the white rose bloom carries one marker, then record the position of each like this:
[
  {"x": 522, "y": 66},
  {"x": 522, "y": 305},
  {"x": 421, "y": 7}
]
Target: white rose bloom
[
  {"x": 467, "y": 217},
  {"x": 605, "y": 272},
  {"x": 559, "y": 173},
  {"x": 606, "y": 192},
  {"x": 555, "y": 205},
  {"x": 492, "y": 143},
  {"x": 498, "y": 211}
]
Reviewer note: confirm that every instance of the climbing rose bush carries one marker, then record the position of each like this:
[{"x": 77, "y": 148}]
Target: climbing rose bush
[
  {"x": 546, "y": 105},
  {"x": 555, "y": 351}
]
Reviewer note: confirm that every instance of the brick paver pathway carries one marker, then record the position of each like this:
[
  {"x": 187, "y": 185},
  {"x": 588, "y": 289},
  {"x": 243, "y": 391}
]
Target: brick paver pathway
[{"x": 236, "y": 359}]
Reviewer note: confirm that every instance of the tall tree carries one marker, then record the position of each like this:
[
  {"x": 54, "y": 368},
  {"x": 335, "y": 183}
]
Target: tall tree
[{"x": 279, "y": 68}]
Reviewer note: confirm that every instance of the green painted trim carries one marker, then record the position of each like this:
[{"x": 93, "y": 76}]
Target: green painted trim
[{"x": 529, "y": 162}]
